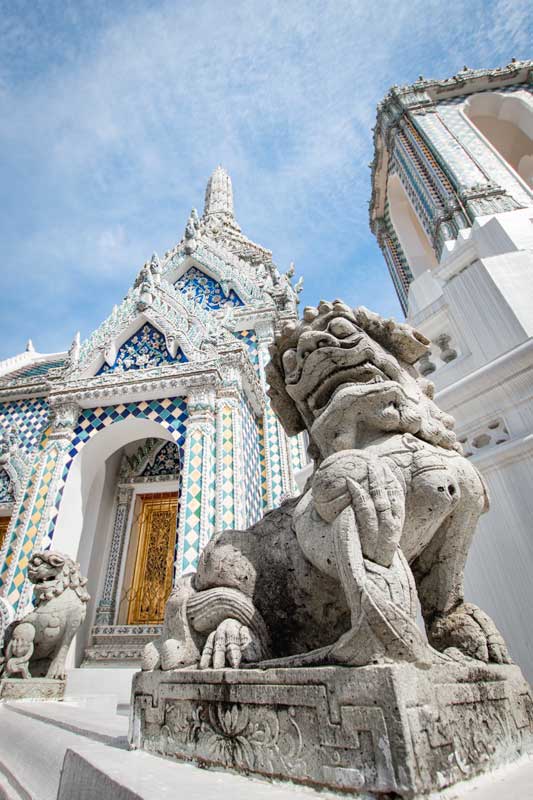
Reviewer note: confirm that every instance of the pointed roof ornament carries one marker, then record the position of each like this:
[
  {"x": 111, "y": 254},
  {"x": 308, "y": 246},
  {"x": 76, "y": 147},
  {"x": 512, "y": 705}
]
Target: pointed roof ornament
[
  {"x": 219, "y": 195},
  {"x": 29, "y": 346}
]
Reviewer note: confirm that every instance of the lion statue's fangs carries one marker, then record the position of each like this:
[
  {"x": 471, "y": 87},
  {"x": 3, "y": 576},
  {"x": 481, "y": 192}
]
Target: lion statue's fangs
[
  {"x": 387, "y": 518},
  {"x": 60, "y": 605}
]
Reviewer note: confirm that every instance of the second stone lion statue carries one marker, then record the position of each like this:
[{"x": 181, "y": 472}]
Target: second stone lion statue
[
  {"x": 38, "y": 644},
  {"x": 387, "y": 518}
]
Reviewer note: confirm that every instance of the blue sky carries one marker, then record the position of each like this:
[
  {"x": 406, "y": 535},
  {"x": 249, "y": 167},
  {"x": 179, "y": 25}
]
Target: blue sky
[{"x": 113, "y": 115}]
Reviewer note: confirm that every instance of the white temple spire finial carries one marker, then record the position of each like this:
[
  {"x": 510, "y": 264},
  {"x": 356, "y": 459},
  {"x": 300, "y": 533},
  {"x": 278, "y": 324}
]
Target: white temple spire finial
[
  {"x": 219, "y": 195},
  {"x": 29, "y": 346}
]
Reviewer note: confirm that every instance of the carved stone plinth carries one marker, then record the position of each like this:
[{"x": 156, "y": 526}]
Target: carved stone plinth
[
  {"x": 377, "y": 729},
  {"x": 31, "y": 689}
]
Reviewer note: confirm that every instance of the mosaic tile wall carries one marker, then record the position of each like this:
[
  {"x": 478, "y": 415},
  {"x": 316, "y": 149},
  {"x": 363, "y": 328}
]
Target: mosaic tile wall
[
  {"x": 249, "y": 338},
  {"x": 394, "y": 256},
  {"x": 146, "y": 348},
  {"x": 252, "y": 467},
  {"x": 6, "y": 494},
  {"x": 189, "y": 546},
  {"x": 482, "y": 154},
  {"x": 166, "y": 462},
  {"x": 206, "y": 291},
  {"x": 271, "y": 434},
  {"x": 263, "y": 465},
  {"x": 296, "y": 452},
  {"x": 29, "y": 418},
  {"x": 225, "y": 463},
  {"x": 34, "y": 502}
]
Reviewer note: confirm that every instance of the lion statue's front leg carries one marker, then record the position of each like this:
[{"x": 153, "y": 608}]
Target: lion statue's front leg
[{"x": 215, "y": 628}]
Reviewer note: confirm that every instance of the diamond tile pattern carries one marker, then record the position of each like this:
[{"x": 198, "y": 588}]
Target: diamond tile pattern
[
  {"x": 272, "y": 429},
  {"x": 263, "y": 464},
  {"x": 228, "y": 487},
  {"x": 37, "y": 505},
  {"x": 252, "y": 468},
  {"x": 29, "y": 418},
  {"x": 192, "y": 493},
  {"x": 249, "y": 338}
]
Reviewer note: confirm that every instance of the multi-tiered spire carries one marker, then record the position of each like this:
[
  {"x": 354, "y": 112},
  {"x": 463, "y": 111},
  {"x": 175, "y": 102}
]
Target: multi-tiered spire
[{"x": 219, "y": 197}]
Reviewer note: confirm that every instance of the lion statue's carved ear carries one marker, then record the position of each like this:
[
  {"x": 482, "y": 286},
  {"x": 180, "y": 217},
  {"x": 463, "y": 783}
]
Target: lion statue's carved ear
[
  {"x": 399, "y": 338},
  {"x": 282, "y": 404}
]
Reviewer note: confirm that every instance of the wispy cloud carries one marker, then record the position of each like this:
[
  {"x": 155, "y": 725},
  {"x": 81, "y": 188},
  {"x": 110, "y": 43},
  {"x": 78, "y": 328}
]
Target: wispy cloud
[{"x": 112, "y": 118}]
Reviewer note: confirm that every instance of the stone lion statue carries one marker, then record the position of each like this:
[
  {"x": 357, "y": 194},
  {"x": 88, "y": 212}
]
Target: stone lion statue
[
  {"x": 38, "y": 644},
  {"x": 386, "y": 520}
]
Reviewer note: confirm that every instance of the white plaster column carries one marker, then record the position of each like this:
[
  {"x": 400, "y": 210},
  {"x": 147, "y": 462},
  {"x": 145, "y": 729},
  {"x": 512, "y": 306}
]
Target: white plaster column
[{"x": 106, "y": 611}]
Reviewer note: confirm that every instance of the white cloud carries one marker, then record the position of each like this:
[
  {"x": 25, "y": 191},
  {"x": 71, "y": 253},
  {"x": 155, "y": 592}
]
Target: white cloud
[{"x": 112, "y": 119}]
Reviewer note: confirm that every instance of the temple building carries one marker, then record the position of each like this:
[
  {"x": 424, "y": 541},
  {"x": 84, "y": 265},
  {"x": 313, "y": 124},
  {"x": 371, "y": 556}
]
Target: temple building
[
  {"x": 131, "y": 449},
  {"x": 452, "y": 210}
]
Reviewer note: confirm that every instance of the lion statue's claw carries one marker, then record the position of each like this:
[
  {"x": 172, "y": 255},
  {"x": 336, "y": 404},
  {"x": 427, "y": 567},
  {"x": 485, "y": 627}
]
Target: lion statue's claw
[{"x": 471, "y": 631}]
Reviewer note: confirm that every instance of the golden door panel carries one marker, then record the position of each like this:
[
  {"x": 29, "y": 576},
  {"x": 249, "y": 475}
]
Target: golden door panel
[
  {"x": 4, "y": 525},
  {"x": 154, "y": 562}
]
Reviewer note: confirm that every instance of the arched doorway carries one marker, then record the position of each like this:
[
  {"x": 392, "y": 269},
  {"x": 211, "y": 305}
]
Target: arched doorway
[
  {"x": 413, "y": 239},
  {"x": 97, "y": 520},
  {"x": 506, "y": 121}
]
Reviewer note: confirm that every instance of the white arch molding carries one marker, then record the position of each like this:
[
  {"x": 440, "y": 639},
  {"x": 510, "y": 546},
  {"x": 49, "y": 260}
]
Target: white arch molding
[
  {"x": 506, "y": 122},
  {"x": 413, "y": 238},
  {"x": 86, "y": 509}
]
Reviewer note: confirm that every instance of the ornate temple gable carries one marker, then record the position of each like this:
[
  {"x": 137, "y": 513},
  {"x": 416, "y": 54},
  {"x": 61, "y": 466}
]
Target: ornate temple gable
[
  {"x": 184, "y": 324},
  {"x": 206, "y": 291},
  {"x": 145, "y": 349},
  {"x": 221, "y": 267}
]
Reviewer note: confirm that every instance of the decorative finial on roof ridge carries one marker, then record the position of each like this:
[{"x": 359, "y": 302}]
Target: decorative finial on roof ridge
[
  {"x": 29, "y": 346},
  {"x": 219, "y": 195}
]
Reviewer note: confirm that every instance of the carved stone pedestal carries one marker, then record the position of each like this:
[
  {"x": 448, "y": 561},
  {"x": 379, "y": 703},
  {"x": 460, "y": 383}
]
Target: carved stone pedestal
[
  {"x": 379, "y": 729},
  {"x": 31, "y": 689}
]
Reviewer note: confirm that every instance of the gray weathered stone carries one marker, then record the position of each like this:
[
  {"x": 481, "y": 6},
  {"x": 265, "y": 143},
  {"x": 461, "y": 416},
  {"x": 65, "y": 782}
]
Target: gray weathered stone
[
  {"x": 333, "y": 578},
  {"x": 388, "y": 515},
  {"x": 381, "y": 729},
  {"x": 31, "y": 689},
  {"x": 38, "y": 643}
]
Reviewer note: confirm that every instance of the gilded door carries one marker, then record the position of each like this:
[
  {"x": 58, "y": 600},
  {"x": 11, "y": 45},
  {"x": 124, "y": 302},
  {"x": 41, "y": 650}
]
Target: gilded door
[
  {"x": 154, "y": 562},
  {"x": 4, "y": 525}
]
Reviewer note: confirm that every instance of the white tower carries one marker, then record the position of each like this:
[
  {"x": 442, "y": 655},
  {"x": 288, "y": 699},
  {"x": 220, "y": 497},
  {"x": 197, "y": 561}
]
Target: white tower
[{"x": 452, "y": 209}]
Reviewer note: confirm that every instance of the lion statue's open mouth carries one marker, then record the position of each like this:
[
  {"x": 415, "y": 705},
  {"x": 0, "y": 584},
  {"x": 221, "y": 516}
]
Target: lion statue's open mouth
[{"x": 337, "y": 358}]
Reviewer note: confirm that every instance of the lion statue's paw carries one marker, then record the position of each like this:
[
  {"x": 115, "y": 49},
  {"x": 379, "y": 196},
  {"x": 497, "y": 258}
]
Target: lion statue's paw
[
  {"x": 150, "y": 658},
  {"x": 229, "y": 645},
  {"x": 471, "y": 631}
]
